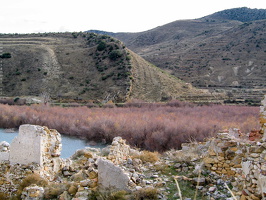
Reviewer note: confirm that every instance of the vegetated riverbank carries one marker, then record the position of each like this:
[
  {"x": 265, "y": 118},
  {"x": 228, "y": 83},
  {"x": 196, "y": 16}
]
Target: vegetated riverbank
[{"x": 154, "y": 127}]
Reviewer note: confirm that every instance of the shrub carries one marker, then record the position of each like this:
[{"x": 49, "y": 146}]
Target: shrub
[
  {"x": 5, "y": 55},
  {"x": 119, "y": 195},
  {"x": 101, "y": 46},
  {"x": 4, "y": 196},
  {"x": 147, "y": 156},
  {"x": 153, "y": 127},
  {"x": 115, "y": 54},
  {"x": 108, "y": 195},
  {"x": 33, "y": 179},
  {"x": 146, "y": 193},
  {"x": 53, "y": 190},
  {"x": 75, "y": 35},
  {"x": 29, "y": 180}
]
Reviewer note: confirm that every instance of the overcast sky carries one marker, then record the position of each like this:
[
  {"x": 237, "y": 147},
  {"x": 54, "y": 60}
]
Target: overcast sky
[{"x": 33, "y": 16}]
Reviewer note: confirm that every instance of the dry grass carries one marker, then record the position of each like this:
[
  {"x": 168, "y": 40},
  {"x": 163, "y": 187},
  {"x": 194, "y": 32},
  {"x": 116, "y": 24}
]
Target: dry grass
[
  {"x": 147, "y": 156},
  {"x": 146, "y": 193},
  {"x": 29, "y": 180}
]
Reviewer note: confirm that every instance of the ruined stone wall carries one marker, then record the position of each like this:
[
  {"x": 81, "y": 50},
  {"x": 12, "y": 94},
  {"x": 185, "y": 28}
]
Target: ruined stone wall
[
  {"x": 244, "y": 161},
  {"x": 263, "y": 118},
  {"x": 34, "y": 144},
  {"x": 241, "y": 159}
]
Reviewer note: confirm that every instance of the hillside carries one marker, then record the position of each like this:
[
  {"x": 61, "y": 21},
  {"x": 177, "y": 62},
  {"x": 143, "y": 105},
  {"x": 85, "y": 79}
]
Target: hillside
[
  {"x": 220, "y": 52},
  {"x": 243, "y": 14},
  {"x": 79, "y": 66}
]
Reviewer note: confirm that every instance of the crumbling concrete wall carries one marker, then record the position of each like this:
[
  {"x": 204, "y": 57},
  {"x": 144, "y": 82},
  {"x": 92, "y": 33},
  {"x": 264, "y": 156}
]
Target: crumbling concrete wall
[{"x": 35, "y": 144}]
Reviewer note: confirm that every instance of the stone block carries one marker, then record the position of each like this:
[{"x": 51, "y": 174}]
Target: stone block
[
  {"x": 208, "y": 160},
  {"x": 4, "y": 156},
  {"x": 35, "y": 144},
  {"x": 111, "y": 177}
]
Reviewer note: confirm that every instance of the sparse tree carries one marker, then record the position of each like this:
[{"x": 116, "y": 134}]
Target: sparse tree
[{"x": 45, "y": 98}]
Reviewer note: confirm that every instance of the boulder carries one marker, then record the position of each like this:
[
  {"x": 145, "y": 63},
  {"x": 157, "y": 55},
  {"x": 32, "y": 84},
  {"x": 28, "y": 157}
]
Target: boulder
[{"x": 111, "y": 177}]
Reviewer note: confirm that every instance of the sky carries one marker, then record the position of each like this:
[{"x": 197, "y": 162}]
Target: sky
[{"x": 34, "y": 16}]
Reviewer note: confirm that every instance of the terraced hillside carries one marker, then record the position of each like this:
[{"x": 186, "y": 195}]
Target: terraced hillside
[
  {"x": 84, "y": 66},
  {"x": 66, "y": 66},
  {"x": 220, "y": 52}
]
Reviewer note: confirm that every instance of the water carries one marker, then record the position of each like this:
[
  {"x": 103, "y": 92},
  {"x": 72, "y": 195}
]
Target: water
[{"x": 69, "y": 144}]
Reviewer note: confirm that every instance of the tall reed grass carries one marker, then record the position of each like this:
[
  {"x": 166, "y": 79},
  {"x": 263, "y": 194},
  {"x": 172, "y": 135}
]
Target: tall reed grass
[{"x": 154, "y": 128}]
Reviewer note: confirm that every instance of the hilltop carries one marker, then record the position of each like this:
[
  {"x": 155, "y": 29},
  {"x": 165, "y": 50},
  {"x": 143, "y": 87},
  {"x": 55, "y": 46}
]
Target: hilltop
[
  {"x": 243, "y": 14},
  {"x": 82, "y": 66},
  {"x": 224, "y": 51}
]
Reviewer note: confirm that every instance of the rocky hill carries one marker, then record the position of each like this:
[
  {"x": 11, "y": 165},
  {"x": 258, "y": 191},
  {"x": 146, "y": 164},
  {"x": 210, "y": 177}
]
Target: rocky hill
[
  {"x": 224, "y": 51},
  {"x": 84, "y": 66},
  {"x": 243, "y": 14}
]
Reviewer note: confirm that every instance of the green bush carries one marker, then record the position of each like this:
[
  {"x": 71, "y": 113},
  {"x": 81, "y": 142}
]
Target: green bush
[
  {"x": 5, "y": 55},
  {"x": 101, "y": 46},
  {"x": 115, "y": 54}
]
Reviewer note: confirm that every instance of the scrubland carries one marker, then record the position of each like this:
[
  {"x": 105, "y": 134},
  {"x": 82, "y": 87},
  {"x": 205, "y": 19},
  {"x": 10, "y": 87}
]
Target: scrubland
[{"x": 154, "y": 127}]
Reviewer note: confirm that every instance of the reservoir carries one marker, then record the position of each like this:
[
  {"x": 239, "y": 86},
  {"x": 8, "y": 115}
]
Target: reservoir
[{"x": 69, "y": 144}]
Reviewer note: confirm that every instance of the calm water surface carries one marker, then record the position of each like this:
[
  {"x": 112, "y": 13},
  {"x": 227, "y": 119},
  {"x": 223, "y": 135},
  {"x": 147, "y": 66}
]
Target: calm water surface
[{"x": 69, "y": 144}]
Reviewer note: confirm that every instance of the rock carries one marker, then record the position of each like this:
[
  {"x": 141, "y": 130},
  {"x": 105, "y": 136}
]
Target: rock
[
  {"x": 177, "y": 165},
  {"x": 199, "y": 181},
  {"x": 199, "y": 187},
  {"x": 65, "y": 196},
  {"x": 154, "y": 176},
  {"x": 138, "y": 187},
  {"x": 72, "y": 189},
  {"x": 4, "y": 146},
  {"x": 93, "y": 173},
  {"x": 111, "y": 177},
  {"x": 32, "y": 192},
  {"x": 82, "y": 195},
  {"x": 212, "y": 189},
  {"x": 81, "y": 175},
  {"x": 252, "y": 196}
]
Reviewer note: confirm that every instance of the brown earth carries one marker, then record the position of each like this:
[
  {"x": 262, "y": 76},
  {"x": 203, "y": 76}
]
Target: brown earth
[
  {"x": 221, "y": 52},
  {"x": 75, "y": 66}
]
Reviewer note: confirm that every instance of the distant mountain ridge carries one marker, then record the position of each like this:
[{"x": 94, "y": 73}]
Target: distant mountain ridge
[
  {"x": 224, "y": 51},
  {"x": 243, "y": 14}
]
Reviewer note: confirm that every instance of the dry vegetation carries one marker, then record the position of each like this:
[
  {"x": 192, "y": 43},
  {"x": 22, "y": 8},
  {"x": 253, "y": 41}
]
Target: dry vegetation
[
  {"x": 156, "y": 127},
  {"x": 82, "y": 66},
  {"x": 225, "y": 50}
]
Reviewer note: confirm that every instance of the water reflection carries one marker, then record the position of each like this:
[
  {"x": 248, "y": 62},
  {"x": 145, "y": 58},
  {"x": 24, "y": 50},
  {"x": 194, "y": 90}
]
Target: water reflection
[{"x": 69, "y": 144}]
